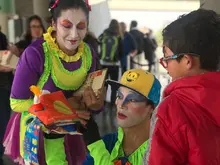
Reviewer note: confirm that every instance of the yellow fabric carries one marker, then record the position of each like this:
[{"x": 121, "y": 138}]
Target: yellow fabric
[
  {"x": 95, "y": 148},
  {"x": 20, "y": 105},
  {"x": 55, "y": 151},
  {"x": 138, "y": 80},
  {"x": 64, "y": 77},
  {"x": 134, "y": 158},
  {"x": 106, "y": 158},
  {"x": 23, "y": 127},
  {"x": 51, "y": 41}
]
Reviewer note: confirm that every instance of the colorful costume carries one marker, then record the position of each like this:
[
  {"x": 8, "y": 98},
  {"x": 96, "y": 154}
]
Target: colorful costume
[
  {"x": 109, "y": 150},
  {"x": 45, "y": 65},
  {"x": 112, "y": 151},
  {"x": 186, "y": 125}
]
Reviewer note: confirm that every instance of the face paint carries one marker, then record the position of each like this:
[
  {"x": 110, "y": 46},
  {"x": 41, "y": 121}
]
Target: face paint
[
  {"x": 81, "y": 25},
  {"x": 131, "y": 108},
  {"x": 71, "y": 28},
  {"x": 134, "y": 97},
  {"x": 66, "y": 23}
]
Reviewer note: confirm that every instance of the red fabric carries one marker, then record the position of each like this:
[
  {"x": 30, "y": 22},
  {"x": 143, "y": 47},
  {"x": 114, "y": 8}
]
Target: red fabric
[
  {"x": 119, "y": 162},
  {"x": 187, "y": 129}
]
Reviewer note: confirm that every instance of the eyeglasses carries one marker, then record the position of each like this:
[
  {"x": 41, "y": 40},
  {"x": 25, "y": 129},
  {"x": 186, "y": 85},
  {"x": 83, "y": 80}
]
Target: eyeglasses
[
  {"x": 36, "y": 27},
  {"x": 164, "y": 60}
]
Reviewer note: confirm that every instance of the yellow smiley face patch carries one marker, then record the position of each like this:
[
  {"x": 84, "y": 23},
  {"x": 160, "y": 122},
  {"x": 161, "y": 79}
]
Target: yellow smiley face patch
[{"x": 132, "y": 76}]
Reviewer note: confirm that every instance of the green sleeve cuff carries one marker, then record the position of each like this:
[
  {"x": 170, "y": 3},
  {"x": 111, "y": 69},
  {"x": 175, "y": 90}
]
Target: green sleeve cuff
[
  {"x": 55, "y": 151},
  {"x": 99, "y": 153},
  {"x": 20, "y": 105}
]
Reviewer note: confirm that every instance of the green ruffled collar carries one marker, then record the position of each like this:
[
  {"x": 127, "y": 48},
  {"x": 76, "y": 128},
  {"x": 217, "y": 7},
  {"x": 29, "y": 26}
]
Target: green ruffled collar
[{"x": 118, "y": 150}]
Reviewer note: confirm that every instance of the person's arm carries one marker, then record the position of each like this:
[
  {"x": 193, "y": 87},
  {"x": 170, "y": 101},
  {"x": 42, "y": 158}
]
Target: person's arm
[
  {"x": 27, "y": 73},
  {"x": 98, "y": 154},
  {"x": 5, "y": 69},
  {"x": 120, "y": 48},
  {"x": 101, "y": 96},
  {"x": 133, "y": 42},
  {"x": 166, "y": 148}
]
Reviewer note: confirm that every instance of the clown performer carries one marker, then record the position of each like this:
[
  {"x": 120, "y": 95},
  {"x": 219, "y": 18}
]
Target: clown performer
[
  {"x": 138, "y": 95},
  {"x": 58, "y": 61}
]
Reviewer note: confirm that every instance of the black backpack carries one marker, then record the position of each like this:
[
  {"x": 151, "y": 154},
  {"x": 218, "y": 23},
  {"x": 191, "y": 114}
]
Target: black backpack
[
  {"x": 109, "y": 47},
  {"x": 139, "y": 38}
]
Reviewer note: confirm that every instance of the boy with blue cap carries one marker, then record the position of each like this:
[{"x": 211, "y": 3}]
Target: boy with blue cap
[{"x": 138, "y": 95}]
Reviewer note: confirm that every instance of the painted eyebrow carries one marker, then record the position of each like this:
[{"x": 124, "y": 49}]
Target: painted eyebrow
[
  {"x": 81, "y": 23},
  {"x": 133, "y": 92},
  {"x": 66, "y": 23}
]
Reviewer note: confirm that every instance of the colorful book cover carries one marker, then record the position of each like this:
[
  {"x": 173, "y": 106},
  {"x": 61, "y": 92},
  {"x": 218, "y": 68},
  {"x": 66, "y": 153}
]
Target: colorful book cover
[{"x": 54, "y": 108}]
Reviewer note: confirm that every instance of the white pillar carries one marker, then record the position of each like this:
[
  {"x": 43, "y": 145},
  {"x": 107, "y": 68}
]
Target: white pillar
[
  {"x": 211, "y": 5},
  {"x": 41, "y": 8},
  {"x": 24, "y": 8}
]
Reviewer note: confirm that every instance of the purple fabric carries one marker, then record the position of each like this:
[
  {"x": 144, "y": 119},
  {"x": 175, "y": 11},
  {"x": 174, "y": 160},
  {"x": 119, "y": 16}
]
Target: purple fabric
[
  {"x": 30, "y": 69},
  {"x": 28, "y": 72},
  {"x": 74, "y": 145},
  {"x": 11, "y": 139}
]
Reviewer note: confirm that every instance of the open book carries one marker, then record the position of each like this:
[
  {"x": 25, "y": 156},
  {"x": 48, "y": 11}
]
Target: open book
[
  {"x": 8, "y": 59},
  {"x": 96, "y": 80}
]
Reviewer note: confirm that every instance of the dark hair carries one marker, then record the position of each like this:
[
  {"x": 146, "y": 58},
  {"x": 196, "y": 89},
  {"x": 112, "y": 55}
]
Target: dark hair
[
  {"x": 114, "y": 26},
  {"x": 67, "y": 4},
  {"x": 28, "y": 36},
  {"x": 197, "y": 32},
  {"x": 133, "y": 24}
]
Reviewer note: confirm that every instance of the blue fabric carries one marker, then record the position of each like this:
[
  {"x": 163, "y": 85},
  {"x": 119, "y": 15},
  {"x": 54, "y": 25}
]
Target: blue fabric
[
  {"x": 31, "y": 141},
  {"x": 109, "y": 141},
  {"x": 154, "y": 93}
]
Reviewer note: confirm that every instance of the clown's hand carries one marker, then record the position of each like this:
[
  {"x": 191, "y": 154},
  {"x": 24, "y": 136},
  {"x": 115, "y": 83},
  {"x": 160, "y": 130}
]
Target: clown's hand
[{"x": 93, "y": 101}]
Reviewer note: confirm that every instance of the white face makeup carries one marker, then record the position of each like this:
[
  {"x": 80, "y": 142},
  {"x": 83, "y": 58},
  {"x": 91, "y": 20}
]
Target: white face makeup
[
  {"x": 132, "y": 108},
  {"x": 71, "y": 28}
]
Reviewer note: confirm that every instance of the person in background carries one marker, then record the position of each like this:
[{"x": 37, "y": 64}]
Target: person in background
[
  {"x": 138, "y": 36},
  {"x": 129, "y": 46},
  {"x": 111, "y": 52},
  {"x": 6, "y": 78},
  {"x": 93, "y": 42},
  {"x": 35, "y": 30},
  {"x": 138, "y": 95},
  {"x": 185, "y": 129},
  {"x": 150, "y": 46}
]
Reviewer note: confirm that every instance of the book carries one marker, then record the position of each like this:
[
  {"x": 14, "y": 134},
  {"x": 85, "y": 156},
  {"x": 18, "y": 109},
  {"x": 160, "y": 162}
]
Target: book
[
  {"x": 8, "y": 59},
  {"x": 95, "y": 80},
  {"x": 54, "y": 109}
]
